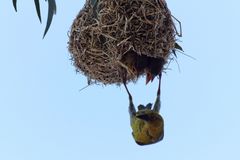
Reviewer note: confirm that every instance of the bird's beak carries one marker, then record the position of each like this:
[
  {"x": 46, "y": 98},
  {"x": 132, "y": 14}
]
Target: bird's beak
[{"x": 149, "y": 78}]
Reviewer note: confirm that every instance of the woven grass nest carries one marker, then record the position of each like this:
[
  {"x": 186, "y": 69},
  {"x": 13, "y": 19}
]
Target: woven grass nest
[{"x": 106, "y": 33}]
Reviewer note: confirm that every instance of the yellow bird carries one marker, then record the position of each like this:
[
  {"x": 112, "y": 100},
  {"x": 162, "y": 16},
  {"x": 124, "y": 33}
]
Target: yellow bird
[{"x": 147, "y": 124}]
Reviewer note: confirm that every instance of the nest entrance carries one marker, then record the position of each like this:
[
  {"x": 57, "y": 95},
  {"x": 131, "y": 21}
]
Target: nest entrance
[
  {"x": 137, "y": 65},
  {"x": 108, "y": 37}
]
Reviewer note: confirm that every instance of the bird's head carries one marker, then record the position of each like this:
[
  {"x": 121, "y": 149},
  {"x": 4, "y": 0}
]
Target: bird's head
[
  {"x": 154, "y": 68},
  {"x": 149, "y": 77}
]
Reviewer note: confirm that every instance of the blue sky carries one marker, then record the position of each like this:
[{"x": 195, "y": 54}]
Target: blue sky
[{"x": 44, "y": 116}]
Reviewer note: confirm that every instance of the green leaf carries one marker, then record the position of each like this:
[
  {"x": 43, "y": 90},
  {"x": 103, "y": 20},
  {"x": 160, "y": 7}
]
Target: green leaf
[
  {"x": 52, "y": 9},
  {"x": 15, "y": 4},
  {"x": 37, "y": 5},
  {"x": 177, "y": 46}
]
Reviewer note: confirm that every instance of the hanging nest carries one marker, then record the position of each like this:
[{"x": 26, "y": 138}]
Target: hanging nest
[{"x": 108, "y": 36}]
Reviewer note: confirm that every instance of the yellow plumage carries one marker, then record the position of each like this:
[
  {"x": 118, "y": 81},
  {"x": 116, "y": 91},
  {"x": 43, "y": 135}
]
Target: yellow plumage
[{"x": 147, "y": 126}]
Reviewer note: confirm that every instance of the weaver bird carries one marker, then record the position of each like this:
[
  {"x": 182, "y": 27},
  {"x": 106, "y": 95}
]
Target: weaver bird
[
  {"x": 147, "y": 124},
  {"x": 140, "y": 64}
]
